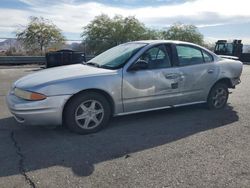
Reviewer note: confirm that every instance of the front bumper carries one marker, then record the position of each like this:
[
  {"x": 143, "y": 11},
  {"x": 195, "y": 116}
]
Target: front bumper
[{"x": 44, "y": 112}]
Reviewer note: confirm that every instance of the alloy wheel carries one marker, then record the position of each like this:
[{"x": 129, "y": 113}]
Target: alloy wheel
[
  {"x": 89, "y": 114},
  {"x": 220, "y": 97}
]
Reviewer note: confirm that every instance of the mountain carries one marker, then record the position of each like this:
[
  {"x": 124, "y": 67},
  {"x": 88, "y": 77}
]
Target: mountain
[{"x": 6, "y": 44}]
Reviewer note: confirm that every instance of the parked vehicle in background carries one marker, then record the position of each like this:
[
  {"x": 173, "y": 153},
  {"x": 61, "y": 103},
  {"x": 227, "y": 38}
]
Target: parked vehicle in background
[
  {"x": 231, "y": 50},
  {"x": 129, "y": 78},
  {"x": 64, "y": 57}
]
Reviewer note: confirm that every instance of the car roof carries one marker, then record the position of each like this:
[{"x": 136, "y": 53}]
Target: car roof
[
  {"x": 161, "y": 41},
  {"x": 152, "y": 42}
]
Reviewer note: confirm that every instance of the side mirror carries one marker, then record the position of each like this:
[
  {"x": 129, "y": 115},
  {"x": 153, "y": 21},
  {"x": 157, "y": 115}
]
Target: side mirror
[{"x": 139, "y": 65}]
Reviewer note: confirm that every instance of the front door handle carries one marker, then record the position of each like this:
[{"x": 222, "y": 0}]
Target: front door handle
[
  {"x": 175, "y": 77},
  {"x": 210, "y": 71},
  {"x": 171, "y": 76}
]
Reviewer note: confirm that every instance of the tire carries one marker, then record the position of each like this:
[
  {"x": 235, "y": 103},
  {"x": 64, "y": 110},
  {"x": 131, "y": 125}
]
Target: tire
[
  {"x": 87, "y": 113},
  {"x": 218, "y": 96}
]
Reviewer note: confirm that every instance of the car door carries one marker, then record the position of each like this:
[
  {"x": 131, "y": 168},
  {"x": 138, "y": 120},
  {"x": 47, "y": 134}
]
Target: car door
[
  {"x": 155, "y": 86},
  {"x": 198, "y": 72}
]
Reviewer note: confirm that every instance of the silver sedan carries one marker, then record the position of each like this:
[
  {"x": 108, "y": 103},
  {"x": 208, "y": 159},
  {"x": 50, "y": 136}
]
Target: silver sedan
[{"x": 129, "y": 78}]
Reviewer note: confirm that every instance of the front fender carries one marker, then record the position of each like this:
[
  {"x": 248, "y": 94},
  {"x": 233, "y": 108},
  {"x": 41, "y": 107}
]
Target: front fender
[{"x": 110, "y": 84}]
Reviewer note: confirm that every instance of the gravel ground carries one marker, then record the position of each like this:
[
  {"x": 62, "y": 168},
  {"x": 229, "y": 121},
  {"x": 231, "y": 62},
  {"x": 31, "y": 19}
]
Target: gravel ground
[{"x": 180, "y": 147}]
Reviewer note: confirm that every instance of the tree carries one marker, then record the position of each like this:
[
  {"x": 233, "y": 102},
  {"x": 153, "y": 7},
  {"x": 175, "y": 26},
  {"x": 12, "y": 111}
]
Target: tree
[
  {"x": 182, "y": 32},
  {"x": 39, "y": 34},
  {"x": 208, "y": 45},
  {"x": 10, "y": 51},
  {"x": 104, "y": 32}
]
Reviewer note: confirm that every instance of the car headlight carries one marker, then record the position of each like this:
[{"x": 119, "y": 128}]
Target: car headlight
[{"x": 28, "y": 95}]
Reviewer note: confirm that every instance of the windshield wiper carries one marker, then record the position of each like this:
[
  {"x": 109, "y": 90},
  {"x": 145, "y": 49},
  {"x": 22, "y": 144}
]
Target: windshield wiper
[{"x": 93, "y": 64}]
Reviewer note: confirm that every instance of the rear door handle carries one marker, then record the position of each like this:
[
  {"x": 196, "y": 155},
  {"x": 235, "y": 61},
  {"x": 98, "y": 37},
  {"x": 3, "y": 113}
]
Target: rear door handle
[{"x": 210, "y": 71}]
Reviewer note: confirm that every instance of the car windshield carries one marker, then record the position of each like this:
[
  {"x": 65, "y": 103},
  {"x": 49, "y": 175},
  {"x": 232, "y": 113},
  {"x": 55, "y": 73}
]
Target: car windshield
[{"x": 116, "y": 57}]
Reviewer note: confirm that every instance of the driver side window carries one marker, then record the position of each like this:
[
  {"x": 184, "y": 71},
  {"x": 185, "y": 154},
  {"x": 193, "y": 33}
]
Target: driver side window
[{"x": 156, "y": 57}]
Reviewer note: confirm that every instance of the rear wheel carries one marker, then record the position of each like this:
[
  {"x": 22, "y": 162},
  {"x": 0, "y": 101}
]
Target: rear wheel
[
  {"x": 218, "y": 96},
  {"x": 87, "y": 113}
]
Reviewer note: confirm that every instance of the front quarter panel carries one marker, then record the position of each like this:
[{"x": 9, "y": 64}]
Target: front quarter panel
[{"x": 109, "y": 83}]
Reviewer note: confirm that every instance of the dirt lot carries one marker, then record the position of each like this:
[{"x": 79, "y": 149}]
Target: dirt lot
[{"x": 181, "y": 147}]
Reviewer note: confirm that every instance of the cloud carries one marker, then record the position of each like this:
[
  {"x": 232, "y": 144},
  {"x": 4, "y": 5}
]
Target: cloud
[
  {"x": 11, "y": 18},
  {"x": 45, "y": 2},
  {"x": 203, "y": 19},
  {"x": 72, "y": 15},
  {"x": 116, "y": 3}
]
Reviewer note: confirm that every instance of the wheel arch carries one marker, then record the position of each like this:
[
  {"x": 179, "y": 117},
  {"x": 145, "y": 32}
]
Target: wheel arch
[
  {"x": 99, "y": 91},
  {"x": 226, "y": 81}
]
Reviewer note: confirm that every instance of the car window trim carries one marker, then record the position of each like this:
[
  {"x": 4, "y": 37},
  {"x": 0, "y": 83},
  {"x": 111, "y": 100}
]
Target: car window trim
[
  {"x": 171, "y": 50},
  {"x": 153, "y": 46},
  {"x": 195, "y": 47},
  {"x": 202, "y": 51}
]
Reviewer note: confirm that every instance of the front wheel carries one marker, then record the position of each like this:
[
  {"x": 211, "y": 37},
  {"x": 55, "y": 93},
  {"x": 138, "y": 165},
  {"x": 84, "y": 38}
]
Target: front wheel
[
  {"x": 218, "y": 96},
  {"x": 87, "y": 113}
]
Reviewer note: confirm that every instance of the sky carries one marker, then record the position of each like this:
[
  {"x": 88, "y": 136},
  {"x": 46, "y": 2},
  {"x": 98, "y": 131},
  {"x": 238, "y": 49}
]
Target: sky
[{"x": 215, "y": 19}]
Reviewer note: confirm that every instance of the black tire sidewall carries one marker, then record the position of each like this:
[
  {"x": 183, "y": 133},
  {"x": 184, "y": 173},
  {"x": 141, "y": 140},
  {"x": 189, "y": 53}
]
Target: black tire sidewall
[
  {"x": 73, "y": 104},
  {"x": 211, "y": 94}
]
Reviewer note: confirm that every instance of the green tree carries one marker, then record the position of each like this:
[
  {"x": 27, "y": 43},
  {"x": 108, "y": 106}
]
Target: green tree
[
  {"x": 182, "y": 32},
  {"x": 39, "y": 34},
  {"x": 208, "y": 45},
  {"x": 104, "y": 32}
]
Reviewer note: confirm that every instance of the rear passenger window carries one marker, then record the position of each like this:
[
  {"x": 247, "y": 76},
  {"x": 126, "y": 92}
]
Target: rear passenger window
[
  {"x": 189, "y": 55},
  {"x": 207, "y": 57}
]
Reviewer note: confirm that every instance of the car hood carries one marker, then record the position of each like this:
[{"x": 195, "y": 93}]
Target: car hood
[{"x": 58, "y": 74}]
